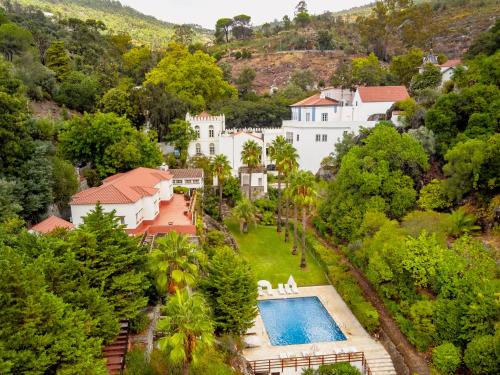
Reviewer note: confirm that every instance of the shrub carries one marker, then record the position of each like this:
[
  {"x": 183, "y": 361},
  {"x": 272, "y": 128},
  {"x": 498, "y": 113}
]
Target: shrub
[
  {"x": 446, "y": 358},
  {"x": 432, "y": 222},
  {"x": 267, "y": 218},
  {"x": 341, "y": 368},
  {"x": 139, "y": 323},
  {"x": 480, "y": 356},
  {"x": 181, "y": 190},
  {"x": 433, "y": 196}
]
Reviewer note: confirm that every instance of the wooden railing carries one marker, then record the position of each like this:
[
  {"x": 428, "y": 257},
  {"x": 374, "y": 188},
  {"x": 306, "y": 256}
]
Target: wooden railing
[{"x": 278, "y": 364}]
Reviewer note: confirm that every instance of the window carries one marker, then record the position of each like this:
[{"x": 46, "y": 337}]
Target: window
[
  {"x": 177, "y": 181},
  {"x": 197, "y": 181},
  {"x": 324, "y": 138},
  {"x": 197, "y": 131},
  {"x": 289, "y": 137},
  {"x": 138, "y": 216},
  {"x": 260, "y": 182},
  {"x": 324, "y": 117},
  {"x": 308, "y": 117},
  {"x": 335, "y": 108},
  {"x": 121, "y": 219},
  {"x": 212, "y": 149},
  {"x": 211, "y": 131},
  {"x": 298, "y": 137},
  {"x": 198, "y": 149},
  {"x": 318, "y": 137}
]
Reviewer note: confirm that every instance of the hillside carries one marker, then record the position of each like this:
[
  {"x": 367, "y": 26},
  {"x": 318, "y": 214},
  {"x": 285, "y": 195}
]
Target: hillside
[
  {"x": 142, "y": 28},
  {"x": 277, "y": 54}
]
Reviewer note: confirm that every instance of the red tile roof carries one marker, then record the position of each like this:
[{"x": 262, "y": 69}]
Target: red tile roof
[
  {"x": 187, "y": 173},
  {"x": 51, "y": 223},
  {"x": 204, "y": 114},
  {"x": 315, "y": 101},
  {"x": 123, "y": 188},
  {"x": 451, "y": 63},
  {"x": 383, "y": 93}
]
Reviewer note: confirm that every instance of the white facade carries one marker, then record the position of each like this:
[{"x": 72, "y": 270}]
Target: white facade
[
  {"x": 316, "y": 126},
  {"x": 132, "y": 214}
]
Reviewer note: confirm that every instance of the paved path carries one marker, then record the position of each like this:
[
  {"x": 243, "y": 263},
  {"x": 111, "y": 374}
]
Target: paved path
[
  {"x": 414, "y": 360},
  {"x": 155, "y": 314}
]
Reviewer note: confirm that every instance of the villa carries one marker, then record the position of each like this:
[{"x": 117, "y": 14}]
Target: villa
[
  {"x": 317, "y": 124},
  {"x": 144, "y": 202}
]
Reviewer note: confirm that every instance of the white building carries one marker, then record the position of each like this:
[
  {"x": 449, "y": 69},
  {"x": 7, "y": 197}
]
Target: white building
[
  {"x": 317, "y": 124},
  {"x": 191, "y": 178},
  {"x": 447, "y": 68},
  {"x": 143, "y": 200}
]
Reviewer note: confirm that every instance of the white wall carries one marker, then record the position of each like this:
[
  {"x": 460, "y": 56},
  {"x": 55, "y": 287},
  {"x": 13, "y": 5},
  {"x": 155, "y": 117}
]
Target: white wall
[
  {"x": 190, "y": 183},
  {"x": 127, "y": 211},
  {"x": 204, "y": 124},
  {"x": 258, "y": 179},
  {"x": 166, "y": 189}
]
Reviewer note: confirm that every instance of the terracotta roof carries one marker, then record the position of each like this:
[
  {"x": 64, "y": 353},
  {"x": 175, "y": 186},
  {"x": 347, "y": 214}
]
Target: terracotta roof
[
  {"x": 51, "y": 223},
  {"x": 124, "y": 188},
  {"x": 383, "y": 93},
  {"x": 204, "y": 114},
  {"x": 187, "y": 173},
  {"x": 315, "y": 101},
  {"x": 451, "y": 63}
]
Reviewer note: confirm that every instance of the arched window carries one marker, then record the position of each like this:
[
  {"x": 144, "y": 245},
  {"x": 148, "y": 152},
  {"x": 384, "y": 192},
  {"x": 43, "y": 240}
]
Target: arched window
[
  {"x": 197, "y": 130},
  {"x": 212, "y": 149},
  {"x": 211, "y": 131},
  {"x": 198, "y": 149}
]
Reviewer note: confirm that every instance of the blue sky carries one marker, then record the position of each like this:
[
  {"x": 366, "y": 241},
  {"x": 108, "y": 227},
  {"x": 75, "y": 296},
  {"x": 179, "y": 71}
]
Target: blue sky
[{"x": 206, "y": 12}]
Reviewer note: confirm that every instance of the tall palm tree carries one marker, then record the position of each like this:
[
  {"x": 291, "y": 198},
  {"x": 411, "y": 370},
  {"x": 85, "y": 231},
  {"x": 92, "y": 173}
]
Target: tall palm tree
[
  {"x": 304, "y": 193},
  {"x": 187, "y": 327},
  {"x": 222, "y": 169},
  {"x": 295, "y": 224},
  {"x": 251, "y": 157},
  {"x": 245, "y": 212},
  {"x": 174, "y": 262},
  {"x": 276, "y": 154},
  {"x": 289, "y": 164}
]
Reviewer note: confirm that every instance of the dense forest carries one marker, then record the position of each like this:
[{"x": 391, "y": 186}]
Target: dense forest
[{"x": 415, "y": 208}]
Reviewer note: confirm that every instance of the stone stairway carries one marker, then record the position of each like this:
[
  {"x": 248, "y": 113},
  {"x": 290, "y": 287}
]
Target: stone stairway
[{"x": 379, "y": 361}]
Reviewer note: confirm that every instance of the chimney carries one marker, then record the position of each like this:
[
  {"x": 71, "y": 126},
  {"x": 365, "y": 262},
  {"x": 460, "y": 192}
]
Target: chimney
[{"x": 164, "y": 167}]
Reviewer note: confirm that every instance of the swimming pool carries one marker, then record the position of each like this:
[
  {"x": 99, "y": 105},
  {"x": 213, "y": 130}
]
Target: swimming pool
[{"x": 303, "y": 320}]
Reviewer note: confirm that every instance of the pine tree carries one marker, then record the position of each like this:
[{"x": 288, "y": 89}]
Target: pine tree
[
  {"x": 57, "y": 59},
  {"x": 231, "y": 290}
]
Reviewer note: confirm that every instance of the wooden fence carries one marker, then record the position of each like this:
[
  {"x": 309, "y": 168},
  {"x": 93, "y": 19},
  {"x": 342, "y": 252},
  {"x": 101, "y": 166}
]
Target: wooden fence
[{"x": 264, "y": 366}]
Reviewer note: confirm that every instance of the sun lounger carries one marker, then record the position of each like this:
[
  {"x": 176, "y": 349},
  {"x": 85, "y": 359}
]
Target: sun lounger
[
  {"x": 295, "y": 289},
  {"x": 281, "y": 289},
  {"x": 283, "y": 355},
  {"x": 337, "y": 351},
  {"x": 270, "y": 292},
  {"x": 288, "y": 290},
  {"x": 307, "y": 353},
  {"x": 260, "y": 291}
]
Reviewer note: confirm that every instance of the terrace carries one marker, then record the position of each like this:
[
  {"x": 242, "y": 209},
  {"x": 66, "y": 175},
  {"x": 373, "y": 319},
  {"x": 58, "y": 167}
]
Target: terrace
[{"x": 176, "y": 214}]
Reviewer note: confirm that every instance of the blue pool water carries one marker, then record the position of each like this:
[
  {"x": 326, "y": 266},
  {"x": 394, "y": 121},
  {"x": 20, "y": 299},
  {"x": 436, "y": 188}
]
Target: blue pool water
[{"x": 293, "y": 321}]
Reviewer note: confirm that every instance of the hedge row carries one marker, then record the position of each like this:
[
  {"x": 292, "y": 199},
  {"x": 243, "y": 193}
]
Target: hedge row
[{"x": 345, "y": 284}]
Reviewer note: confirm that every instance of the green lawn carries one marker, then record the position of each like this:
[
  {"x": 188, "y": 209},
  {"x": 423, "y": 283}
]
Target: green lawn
[{"x": 271, "y": 257}]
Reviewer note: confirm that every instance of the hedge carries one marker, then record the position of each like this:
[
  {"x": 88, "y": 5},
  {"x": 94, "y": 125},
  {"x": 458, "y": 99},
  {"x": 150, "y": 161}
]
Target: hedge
[{"x": 345, "y": 284}]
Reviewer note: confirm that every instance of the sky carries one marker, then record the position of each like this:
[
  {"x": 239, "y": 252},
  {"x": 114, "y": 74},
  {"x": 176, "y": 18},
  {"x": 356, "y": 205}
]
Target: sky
[{"x": 206, "y": 12}]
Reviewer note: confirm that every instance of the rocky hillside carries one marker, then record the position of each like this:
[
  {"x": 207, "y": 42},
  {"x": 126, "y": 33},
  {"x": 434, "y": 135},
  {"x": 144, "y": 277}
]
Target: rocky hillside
[
  {"x": 275, "y": 69},
  {"x": 454, "y": 24}
]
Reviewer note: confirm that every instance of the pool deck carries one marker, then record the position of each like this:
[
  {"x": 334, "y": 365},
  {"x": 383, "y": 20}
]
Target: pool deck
[{"x": 377, "y": 357}]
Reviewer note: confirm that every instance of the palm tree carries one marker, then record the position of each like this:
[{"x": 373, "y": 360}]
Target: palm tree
[
  {"x": 174, "y": 262},
  {"x": 187, "y": 327},
  {"x": 304, "y": 194},
  {"x": 289, "y": 164},
  {"x": 276, "y": 154},
  {"x": 245, "y": 212},
  {"x": 462, "y": 222},
  {"x": 220, "y": 167},
  {"x": 251, "y": 157},
  {"x": 295, "y": 224}
]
